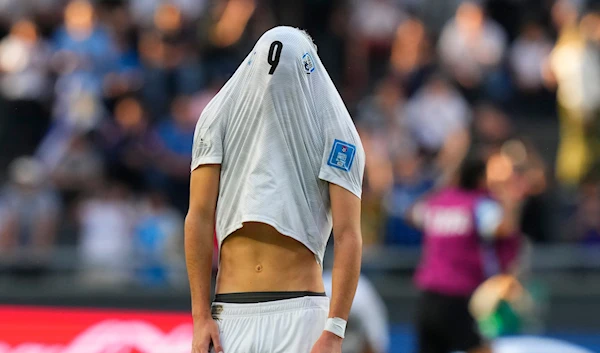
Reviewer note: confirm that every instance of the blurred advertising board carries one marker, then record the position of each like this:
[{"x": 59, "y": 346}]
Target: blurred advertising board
[{"x": 62, "y": 330}]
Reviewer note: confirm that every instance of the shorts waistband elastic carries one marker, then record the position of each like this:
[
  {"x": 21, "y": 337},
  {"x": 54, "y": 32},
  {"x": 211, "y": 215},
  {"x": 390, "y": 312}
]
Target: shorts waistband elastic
[
  {"x": 221, "y": 310},
  {"x": 262, "y": 297}
]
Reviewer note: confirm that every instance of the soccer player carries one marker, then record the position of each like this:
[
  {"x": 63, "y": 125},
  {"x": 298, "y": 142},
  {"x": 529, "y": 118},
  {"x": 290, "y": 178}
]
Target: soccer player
[
  {"x": 277, "y": 164},
  {"x": 465, "y": 237}
]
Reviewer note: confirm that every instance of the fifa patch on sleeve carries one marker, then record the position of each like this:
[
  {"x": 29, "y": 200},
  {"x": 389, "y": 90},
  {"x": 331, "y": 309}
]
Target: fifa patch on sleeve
[
  {"x": 342, "y": 155},
  {"x": 308, "y": 63}
]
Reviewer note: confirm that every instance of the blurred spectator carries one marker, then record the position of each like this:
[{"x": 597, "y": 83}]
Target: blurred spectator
[
  {"x": 158, "y": 240},
  {"x": 106, "y": 222},
  {"x": 174, "y": 152},
  {"x": 24, "y": 86},
  {"x": 411, "y": 182},
  {"x": 587, "y": 217},
  {"x": 126, "y": 142},
  {"x": 528, "y": 54},
  {"x": 17, "y": 9},
  {"x": 84, "y": 53},
  {"x": 126, "y": 77},
  {"x": 438, "y": 118},
  {"x": 411, "y": 58},
  {"x": 491, "y": 128},
  {"x": 23, "y": 64},
  {"x": 31, "y": 211},
  {"x": 524, "y": 165},
  {"x": 170, "y": 68},
  {"x": 79, "y": 170},
  {"x": 380, "y": 121},
  {"x": 472, "y": 47},
  {"x": 464, "y": 227},
  {"x": 374, "y": 25},
  {"x": 143, "y": 11},
  {"x": 574, "y": 67},
  {"x": 376, "y": 20},
  {"x": 82, "y": 41}
]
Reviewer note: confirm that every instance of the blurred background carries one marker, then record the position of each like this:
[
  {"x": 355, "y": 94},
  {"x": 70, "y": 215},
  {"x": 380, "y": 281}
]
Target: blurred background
[{"x": 99, "y": 100}]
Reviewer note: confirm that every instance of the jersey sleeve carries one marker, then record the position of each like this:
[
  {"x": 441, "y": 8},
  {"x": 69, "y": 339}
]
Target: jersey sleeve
[
  {"x": 488, "y": 216},
  {"x": 208, "y": 144},
  {"x": 343, "y": 161}
]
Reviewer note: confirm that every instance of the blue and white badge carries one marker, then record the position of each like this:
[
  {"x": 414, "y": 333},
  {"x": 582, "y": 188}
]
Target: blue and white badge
[
  {"x": 342, "y": 155},
  {"x": 308, "y": 62}
]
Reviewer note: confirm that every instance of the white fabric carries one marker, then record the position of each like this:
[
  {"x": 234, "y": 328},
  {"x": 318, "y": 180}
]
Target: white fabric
[
  {"x": 274, "y": 136},
  {"x": 337, "y": 326},
  {"x": 283, "y": 326}
]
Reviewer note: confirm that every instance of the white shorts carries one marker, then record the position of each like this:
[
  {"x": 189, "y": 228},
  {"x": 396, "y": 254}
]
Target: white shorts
[{"x": 281, "y": 326}]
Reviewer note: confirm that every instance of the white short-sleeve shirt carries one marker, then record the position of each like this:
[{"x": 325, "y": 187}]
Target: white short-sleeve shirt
[{"x": 281, "y": 133}]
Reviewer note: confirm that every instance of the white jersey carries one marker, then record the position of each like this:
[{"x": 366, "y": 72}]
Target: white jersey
[{"x": 281, "y": 133}]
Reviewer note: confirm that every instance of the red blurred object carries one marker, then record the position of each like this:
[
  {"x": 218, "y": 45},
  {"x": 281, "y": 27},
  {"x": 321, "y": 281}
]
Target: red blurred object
[{"x": 58, "y": 330}]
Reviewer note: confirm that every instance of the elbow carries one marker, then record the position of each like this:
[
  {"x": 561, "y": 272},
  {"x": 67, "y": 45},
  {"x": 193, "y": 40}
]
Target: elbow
[
  {"x": 197, "y": 217},
  {"x": 349, "y": 238}
]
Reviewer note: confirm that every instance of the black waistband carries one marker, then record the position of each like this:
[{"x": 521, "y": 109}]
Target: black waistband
[{"x": 261, "y": 297}]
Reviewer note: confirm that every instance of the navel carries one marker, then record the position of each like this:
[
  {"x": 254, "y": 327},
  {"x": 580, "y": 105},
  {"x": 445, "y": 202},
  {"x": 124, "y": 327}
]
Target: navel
[{"x": 259, "y": 268}]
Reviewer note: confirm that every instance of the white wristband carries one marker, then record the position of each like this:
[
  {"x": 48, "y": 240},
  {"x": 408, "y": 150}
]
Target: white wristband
[{"x": 336, "y": 326}]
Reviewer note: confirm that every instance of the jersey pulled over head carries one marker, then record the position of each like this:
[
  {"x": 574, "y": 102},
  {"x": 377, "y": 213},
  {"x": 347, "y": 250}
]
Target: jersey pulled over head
[{"x": 281, "y": 133}]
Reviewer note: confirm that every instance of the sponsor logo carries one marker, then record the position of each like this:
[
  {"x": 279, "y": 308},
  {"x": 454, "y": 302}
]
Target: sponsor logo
[{"x": 81, "y": 331}]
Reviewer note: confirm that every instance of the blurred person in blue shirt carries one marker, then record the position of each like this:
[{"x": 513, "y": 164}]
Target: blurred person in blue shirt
[
  {"x": 174, "y": 138},
  {"x": 31, "y": 210},
  {"x": 158, "y": 240},
  {"x": 84, "y": 39},
  {"x": 411, "y": 182},
  {"x": 84, "y": 53}
]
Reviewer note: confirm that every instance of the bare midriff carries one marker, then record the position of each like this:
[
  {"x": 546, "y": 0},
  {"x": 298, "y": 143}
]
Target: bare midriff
[{"x": 257, "y": 258}]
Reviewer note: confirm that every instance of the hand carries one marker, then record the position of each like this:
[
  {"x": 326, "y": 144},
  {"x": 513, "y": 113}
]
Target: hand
[
  {"x": 206, "y": 334},
  {"x": 328, "y": 343}
]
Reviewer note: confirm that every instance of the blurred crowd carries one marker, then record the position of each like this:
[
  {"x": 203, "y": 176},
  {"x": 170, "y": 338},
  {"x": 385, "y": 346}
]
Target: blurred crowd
[{"x": 99, "y": 100}]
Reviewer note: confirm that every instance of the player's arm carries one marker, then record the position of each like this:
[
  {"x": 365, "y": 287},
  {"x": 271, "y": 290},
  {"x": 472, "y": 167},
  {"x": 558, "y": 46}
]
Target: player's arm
[
  {"x": 207, "y": 155},
  {"x": 199, "y": 231},
  {"x": 347, "y": 250},
  {"x": 343, "y": 167}
]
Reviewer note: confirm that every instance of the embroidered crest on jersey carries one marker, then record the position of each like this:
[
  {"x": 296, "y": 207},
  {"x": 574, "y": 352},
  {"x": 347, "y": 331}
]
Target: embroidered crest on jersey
[
  {"x": 342, "y": 155},
  {"x": 308, "y": 62}
]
